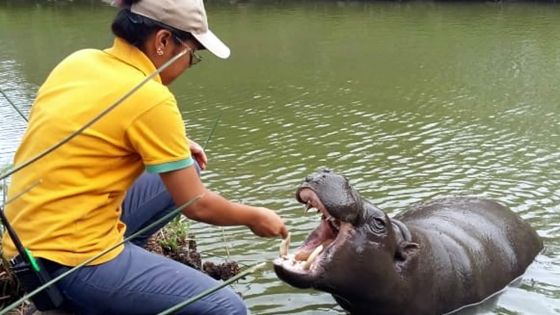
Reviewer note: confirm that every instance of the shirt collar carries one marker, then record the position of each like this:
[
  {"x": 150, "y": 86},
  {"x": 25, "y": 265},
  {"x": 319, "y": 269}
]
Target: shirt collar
[{"x": 133, "y": 56}]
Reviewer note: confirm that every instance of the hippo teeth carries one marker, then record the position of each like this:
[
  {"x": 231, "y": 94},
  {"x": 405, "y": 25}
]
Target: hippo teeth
[
  {"x": 312, "y": 257},
  {"x": 309, "y": 207},
  {"x": 335, "y": 224},
  {"x": 284, "y": 246}
]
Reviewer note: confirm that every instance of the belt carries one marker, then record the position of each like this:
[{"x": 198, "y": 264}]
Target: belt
[{"x": 51, "y": 266}]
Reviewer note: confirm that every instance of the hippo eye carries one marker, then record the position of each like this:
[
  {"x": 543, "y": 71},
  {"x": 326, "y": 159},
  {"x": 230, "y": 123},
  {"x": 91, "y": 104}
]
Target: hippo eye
[{"x": 379, "y": 224}]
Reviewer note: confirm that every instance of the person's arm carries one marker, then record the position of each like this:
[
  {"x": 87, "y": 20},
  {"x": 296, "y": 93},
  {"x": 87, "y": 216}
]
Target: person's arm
[{"x": 184, "y": 184}]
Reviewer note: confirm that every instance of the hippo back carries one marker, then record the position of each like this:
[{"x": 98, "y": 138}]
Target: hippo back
[{"x": 476, "y": 247}]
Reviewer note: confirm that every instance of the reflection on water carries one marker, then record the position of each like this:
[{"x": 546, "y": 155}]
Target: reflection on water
[{"x": 409, "y": 101}]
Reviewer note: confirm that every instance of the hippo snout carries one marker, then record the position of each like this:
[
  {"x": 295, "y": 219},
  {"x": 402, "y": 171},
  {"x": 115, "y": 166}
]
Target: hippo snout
[
  {"x": 319, "y": 175},
  {"x": 334, "y": 191}
]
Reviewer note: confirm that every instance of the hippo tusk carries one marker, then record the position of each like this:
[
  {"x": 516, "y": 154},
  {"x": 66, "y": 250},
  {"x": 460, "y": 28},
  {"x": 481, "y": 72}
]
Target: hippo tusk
[
  {"x": 309, "y": 207},
  {"x": 284, "y": 246},
  {"x": 312, "y": 257}
]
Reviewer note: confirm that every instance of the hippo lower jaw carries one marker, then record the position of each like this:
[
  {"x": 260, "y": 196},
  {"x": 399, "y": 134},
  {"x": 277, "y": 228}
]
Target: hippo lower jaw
[{"x": 308, "y": 263}]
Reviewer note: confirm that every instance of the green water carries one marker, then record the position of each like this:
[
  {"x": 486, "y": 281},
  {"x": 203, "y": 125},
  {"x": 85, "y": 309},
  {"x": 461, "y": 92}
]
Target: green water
[{"x": 410, "y": 101}]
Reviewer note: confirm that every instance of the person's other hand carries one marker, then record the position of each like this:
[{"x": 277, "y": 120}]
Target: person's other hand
[
  {"x": 268, "y": 224},
  {"x": 198, "y": 154}
]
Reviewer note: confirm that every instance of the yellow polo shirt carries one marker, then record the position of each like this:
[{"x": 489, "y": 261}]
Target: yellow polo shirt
[{"x": 74, "y": 212}]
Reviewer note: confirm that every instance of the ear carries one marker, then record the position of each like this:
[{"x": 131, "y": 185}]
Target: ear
[
  {"x": 406, "y": 250},
  {"x": 162, "y": 39}
]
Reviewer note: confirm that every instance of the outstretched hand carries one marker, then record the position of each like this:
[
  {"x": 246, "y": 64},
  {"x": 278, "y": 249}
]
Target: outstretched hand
[{"x": 268, "y": 224}]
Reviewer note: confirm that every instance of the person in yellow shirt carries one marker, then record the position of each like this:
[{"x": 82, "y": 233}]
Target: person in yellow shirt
[{"x": 93, "y": 191}]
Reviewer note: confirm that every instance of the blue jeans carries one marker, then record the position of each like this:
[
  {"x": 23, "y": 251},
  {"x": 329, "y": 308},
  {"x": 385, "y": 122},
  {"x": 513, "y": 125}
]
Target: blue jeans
[{"x": 141, "y": 282}]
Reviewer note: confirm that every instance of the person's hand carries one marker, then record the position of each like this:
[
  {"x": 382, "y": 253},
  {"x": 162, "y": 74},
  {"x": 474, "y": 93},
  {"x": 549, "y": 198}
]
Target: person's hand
[
  {"x": 268, "y": 224},
  {"x": 198, "y": 154}
]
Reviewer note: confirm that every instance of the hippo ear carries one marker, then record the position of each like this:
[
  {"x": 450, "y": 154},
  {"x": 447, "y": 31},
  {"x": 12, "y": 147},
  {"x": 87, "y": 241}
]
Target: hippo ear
[{"x": 406, "y": 250}]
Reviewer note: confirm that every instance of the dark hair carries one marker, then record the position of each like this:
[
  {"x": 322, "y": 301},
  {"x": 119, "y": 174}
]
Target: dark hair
[{"x": 136, "y": 29}]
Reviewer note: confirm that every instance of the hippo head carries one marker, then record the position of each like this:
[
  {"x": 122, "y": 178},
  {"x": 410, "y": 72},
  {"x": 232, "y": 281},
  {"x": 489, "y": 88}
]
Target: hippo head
[{"x": 356, "y": 244}]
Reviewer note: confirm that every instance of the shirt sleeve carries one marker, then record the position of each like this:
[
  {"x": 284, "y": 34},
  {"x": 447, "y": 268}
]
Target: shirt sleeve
[{"x": 159, "y": 136}]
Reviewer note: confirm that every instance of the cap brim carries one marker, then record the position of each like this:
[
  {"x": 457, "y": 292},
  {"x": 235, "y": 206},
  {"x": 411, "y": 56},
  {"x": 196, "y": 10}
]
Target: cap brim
[{"x": 213, "y": 44}]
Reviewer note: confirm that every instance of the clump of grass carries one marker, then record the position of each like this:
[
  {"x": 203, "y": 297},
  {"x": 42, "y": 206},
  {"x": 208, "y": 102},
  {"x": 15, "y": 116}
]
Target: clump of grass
[
  {"x": 174, "y": 235},
  {"x": 174, "y": 241}
]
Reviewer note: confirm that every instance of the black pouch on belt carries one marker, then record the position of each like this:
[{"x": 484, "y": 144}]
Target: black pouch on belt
[{"x": 33, "y": 275}]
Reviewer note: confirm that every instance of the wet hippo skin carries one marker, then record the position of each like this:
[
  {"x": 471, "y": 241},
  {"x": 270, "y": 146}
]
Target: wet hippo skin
[{"x": 431, "y": 259}]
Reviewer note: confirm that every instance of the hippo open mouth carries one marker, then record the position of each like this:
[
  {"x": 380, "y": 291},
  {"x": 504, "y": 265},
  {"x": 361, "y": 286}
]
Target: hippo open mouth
[{"x": 310, "y": 259}]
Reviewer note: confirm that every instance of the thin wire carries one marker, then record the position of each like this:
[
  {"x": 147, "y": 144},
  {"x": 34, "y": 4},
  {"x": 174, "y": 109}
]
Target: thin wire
[
  {"x": 6, "y": 201},
  {"x": 226, "y": 242},
  {"x": 51, "y": 282},
  {"x": 96, "y": 118},
  {"x": 13, "y": 105},
  {"x": 205, "y": 145},
  {"x": 212, "y": 130},
  {"x": 27, "y": 189}
]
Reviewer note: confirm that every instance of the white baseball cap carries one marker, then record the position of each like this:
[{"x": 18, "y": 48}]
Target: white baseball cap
[{"x": 185, "y": 15}]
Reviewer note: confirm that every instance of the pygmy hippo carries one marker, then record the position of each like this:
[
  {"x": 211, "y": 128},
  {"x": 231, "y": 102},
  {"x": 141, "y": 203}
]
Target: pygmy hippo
[{"x": 432, "y": 259}]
